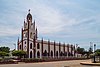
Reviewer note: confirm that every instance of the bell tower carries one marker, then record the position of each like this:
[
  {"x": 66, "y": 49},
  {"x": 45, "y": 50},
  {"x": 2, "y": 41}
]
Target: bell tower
[{"x": 29, "y": 33}]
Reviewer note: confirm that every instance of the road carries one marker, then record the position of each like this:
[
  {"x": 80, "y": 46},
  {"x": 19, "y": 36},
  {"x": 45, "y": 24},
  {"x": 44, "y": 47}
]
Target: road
[{"x": 71, "y": 63}]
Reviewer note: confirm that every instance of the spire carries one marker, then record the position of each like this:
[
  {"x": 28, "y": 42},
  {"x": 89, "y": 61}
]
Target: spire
[
  {"x": 36, "y": 33},
  {"x": 24, "y": 20},
  {"x": 18, "y": 39},
  {"x": 34, "y": 24}
]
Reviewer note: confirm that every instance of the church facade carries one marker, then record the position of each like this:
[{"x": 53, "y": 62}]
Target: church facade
[{"x": 41, "y": 48}]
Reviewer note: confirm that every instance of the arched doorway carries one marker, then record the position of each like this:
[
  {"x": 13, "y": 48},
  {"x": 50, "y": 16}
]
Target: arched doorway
[
  {"x": 30, "y": 54},
  {"x": 65, "y": 54},
  {"x": 51, "y": 53},
  {"x": 38, "y": 54},
  {"x": 56, "y": 53},
  {"x": 45, "y": 53},
  {"x": 61, "y": 54}
]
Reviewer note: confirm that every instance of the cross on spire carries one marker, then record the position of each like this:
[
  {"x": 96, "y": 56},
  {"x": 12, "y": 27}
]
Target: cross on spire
[{"x": 29, "y": 10}]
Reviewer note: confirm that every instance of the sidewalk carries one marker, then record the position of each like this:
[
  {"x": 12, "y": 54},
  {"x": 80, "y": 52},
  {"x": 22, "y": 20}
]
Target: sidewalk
[{"x": 90, "y": 63}]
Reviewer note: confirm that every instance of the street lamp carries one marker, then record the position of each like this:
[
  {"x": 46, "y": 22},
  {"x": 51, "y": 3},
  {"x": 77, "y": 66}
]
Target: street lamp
[
  {"x": 76, "y": 50},
  {"x": 94, "y": 52}
]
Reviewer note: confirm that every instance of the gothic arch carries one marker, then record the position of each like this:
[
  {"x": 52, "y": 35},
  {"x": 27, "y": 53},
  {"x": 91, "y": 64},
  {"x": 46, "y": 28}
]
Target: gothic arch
[
  {"x": 51, "y": 53},
  {"x": 61, "y": 54},
  {"x": 30, "y": 54},
  {"x": 38, "y": 54},
  {"x": 30, "y": 45},
  {"x": 65, "y": 54},
  {"x": 45, "y": 53},
  {"x": 56, "y": 53},
  {"x": 38, "y": 46}
]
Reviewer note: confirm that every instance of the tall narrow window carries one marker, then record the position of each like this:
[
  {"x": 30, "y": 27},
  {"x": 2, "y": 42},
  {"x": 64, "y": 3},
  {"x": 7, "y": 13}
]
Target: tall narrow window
[
  {"x": 30, "y": 54},
  {"x": 56, "y": 53},
  {"x": 51, "y": 53},
  {"x": 31, "y": 46},
  {"x": 38, "y": 54},
  {"x": 38, "y": 46}
]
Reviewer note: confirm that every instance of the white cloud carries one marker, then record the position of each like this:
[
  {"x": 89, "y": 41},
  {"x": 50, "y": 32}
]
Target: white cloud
[{"x": 61, "y": 19}]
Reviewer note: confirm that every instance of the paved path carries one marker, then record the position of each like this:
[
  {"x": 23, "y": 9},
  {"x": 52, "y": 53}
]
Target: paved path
[
  {"x": 71, "y": 63},
  {"x": 90, "y": 63}
]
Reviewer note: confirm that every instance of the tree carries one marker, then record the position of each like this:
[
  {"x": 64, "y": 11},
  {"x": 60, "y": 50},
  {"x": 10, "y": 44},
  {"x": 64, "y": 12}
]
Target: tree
[
  {"x": 97, "y": 52},
  {"x": 19, "y": 53},
  {"x": 80, "y": 50},
  {"x": 2, "y": 54},
  {"x": 5, "y": 49}
]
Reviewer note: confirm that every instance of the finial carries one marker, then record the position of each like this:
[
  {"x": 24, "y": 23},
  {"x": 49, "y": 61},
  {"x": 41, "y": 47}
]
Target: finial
[{"x": 29, "y": 10}]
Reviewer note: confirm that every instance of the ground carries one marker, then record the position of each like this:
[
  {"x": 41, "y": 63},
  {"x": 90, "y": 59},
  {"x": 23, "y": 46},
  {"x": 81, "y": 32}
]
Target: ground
[{"x": 71, "y": 63}]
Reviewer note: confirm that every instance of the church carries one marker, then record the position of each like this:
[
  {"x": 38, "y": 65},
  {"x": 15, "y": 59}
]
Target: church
[{"x": 41, "y": 48}]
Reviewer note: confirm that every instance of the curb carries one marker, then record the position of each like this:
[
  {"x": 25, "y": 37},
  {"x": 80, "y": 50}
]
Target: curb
[{"x": 90, "y": 63}]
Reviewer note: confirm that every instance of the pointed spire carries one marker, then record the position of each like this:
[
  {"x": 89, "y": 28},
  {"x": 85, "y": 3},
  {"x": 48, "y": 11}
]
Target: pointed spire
[
  {"x": 34, "y": 24},
  {"x": 18, "y": 39},
  {"x": 54, "y": 42},
  {"x": 59, "y": 42},
  {"x": 22, "y": 28},
  {"x": 24, "y": 20},
  {"x": 36, "y": 28},
  {"x": 36, "y": 33},
  {"x": 42, "y": 40}
]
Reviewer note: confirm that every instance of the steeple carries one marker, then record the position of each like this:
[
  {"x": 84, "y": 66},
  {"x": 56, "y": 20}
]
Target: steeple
[{"x": 29, "y": 16}]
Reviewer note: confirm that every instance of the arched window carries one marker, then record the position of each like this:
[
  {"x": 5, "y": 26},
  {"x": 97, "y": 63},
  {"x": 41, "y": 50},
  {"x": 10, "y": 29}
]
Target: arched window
[
  {"x": 31, "y": 46},
  {"x": 38, "y": 54},
  {"x": 45, "y": 53},
  {"x": 61, "y": 54},
  {"x": 30, "y": 54},
  {"x": 38, "y": 46},
  {"x": 51, "y": 53},
  {"x": 57, "y": 53},
  {"x": 25, "y": 42},
  {"x": 65, "y": 54},
  {"x": 69, "y": 54}
]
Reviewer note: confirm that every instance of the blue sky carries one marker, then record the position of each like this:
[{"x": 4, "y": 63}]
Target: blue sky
[{"x": 69, "y": 21}]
